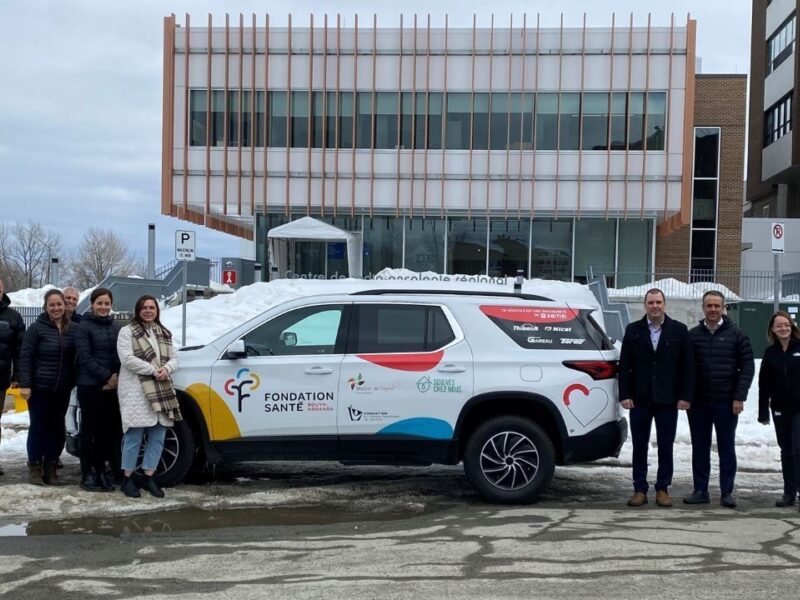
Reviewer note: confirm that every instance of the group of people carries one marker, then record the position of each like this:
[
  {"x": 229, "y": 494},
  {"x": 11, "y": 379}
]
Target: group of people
[
  {"x": 122, "y": 376},
  {"x": 706, "y": 371}
]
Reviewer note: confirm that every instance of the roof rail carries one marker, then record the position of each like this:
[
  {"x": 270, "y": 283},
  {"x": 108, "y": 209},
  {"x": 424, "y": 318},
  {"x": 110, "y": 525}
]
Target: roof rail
[{"x": 381, "y": 292}]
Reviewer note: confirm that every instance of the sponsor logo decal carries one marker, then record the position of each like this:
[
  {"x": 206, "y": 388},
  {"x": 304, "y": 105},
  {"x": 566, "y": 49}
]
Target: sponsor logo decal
[
  {"x": 244, "y": 382},
  {"x": 358, "y": 384},
  {"x": 297, "y": 402},
  {"x": 438, "y": 385},
  {"x": 356, "y": 381},
  {"x": 526, "y": 327},
  {"x": 368, "y": 415}
]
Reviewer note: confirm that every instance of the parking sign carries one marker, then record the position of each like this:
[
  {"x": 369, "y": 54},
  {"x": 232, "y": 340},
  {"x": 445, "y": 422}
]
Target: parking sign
[
  {"x": 778, "y": 238},
  {"x": 184, "y": 245}
]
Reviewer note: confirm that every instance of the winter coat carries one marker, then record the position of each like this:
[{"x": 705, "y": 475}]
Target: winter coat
[
  {"x": 96, "y": 346},
  {"x": 133, "y": 405},
  {"x": 723, "y": 362},
  {"x": 779, "y": 380},
  {"x": 12, "y": 332},
  {"x": 47, "y": 358},
  {"x": 661, "y": 376}
]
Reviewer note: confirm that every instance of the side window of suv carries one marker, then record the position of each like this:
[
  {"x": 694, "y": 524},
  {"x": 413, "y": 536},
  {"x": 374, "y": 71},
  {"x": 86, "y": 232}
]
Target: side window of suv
[
  {"x": 387, "y": 328},
  {"x": 307, "y": 330}
]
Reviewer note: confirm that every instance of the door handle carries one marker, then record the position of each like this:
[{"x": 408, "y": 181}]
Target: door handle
[
  {"x": 451, "y": 369},
  {"x": 318, "y": 371}
]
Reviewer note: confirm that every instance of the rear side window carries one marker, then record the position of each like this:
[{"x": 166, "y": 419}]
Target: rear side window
[
  {"x": 545, "y": 328},
  {"x": 386, "y": 328}
]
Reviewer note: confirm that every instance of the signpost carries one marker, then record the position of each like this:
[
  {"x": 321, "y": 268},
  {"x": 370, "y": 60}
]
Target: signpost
[
  {"x": 184, "y": 252},
  {"x": 777, "y": 232}
]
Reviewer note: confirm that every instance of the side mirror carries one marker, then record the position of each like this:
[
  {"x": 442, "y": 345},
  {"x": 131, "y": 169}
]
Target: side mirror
[
  {"x": 236, "y": 350},
  {"x": 289, "y": 338}
]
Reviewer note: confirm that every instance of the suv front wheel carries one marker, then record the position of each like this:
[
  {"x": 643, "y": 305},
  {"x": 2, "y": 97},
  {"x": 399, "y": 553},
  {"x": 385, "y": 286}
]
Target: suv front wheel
[{"x": 509, "y": 460}]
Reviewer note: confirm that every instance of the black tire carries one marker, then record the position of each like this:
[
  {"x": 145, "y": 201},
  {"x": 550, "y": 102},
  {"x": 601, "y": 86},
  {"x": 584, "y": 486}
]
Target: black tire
[
  {"x": 509, "y": 460},
  {"x": 177, "y": 457}
]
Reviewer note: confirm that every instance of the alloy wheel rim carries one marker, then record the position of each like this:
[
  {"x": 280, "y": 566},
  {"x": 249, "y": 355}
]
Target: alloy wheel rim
[{"x": 509, "y": 460}]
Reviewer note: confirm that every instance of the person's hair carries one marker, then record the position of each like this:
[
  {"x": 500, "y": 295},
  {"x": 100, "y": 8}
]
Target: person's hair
[
  {"x": 655, "y": 291},
  {"x": 97, "y": 292},
  {"x": 795, "y": 331},
  {"x": 713, "y": 293},
  {"x": 138, "y": 308},
  {"x": 64, "y": 318},
  {"x": 71, "y": 287}
]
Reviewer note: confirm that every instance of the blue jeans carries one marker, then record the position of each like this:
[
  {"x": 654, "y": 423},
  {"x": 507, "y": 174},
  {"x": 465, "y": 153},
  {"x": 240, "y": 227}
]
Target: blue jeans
[
  {"x": 132, "y": 442},
  {"x": 703, "y": 416},
  {"x": 642, "y": 417}
]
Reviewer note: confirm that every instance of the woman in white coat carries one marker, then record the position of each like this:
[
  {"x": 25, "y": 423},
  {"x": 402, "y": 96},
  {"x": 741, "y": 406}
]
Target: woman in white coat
[{"x": 147, "y": 400}]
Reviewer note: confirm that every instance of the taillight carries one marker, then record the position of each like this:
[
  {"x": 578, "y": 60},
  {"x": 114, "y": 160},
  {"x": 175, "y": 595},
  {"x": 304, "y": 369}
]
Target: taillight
[{"x": 596, "y": 369}]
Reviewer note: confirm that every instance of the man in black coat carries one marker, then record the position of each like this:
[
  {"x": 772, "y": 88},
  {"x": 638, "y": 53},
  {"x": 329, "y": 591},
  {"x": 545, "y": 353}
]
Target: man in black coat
[
  {"x": 656, "y": 378},
  {"x": 724, "y": 370},
  {"x": 12, "y": 330}
]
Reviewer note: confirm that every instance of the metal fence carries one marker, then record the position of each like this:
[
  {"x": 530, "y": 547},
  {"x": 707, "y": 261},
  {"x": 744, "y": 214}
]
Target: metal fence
[
  {"x": 693, "y": 283},
  {"x": 29, "y": 314}
]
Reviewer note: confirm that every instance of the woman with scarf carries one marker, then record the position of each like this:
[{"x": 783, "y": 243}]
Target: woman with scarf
[{"x": 147, "y": 400}]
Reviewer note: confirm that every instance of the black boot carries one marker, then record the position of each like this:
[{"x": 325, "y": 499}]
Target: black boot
[
  {"x": 50, "y": 475},
  {"x": 786, "y": 500},
  {"x": 151, "y": 486},
  {"x": 35, "y": 474},
  {"x": 104, "y": 481},
  {"x": 129, "y": 488},
  {"x": 89, "y": 483}
]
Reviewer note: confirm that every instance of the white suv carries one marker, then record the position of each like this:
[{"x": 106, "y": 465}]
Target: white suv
[{"x": 510, "y": 384}]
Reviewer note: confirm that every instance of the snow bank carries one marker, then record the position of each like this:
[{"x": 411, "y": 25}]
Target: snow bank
[
  {"x": 35, "y": 296},
  {"x": 673, "y": 289}
]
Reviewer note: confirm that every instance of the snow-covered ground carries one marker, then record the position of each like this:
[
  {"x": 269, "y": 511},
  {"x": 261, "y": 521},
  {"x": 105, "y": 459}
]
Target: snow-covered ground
[{"x": 207, "y": 319}]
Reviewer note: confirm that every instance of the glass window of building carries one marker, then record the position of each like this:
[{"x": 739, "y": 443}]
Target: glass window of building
[
  {"x": 520, "y": 131},
  {"x": 466, "y": 246},
  {"x": 198, "y": 102},
  {"x": 330, "y": 119},
  {"x": 420, "y": 119},
  {"x": 634, "y": 252},
  {"x": 383, "y": 244},
  {"x": 386, "y": 119},
  {"x": 706, "y": 151},
  {"x": 656, "y": 120},
  {"x": 232, "y": 118},
  {"x": 780, "y": 44},
  {"x": 247, "y": 118},
  {"x": 299, "y": 133},
  {"x": 435, "y": 120},
  {"x": 704, "y": 209},
  {"x": 217, "y": 118},
  {"x": 499, "y": 121},
  {"x": 778, "y": 120},
  {"x": 265, "y": 222},
  {"x": 703, "y": 246},
  {"x": 619, "y": 120},
  {"x": 457, "y": 128},
  {"x": 595, "y": 121},
  {"x": 551, "y": 249},
  {"x": 425, "y": 244},
  {"x": 261, "y": 114},
  {"x": 317, "y": 118},
  {"x": 569, "y": 128},
  {"x": 547, "y": 122},
  {"x": 346, "y": 109},
  {"x": 480, "y": 121},
  {"x": 636, "y": 121},
  {"x": 364, "y": 120},
  {"x": 597, "y": 247},
  {"x": 407, "y": 120},
  {"x": 277, "y": 119},
  {"x": 509, "y": 246}
]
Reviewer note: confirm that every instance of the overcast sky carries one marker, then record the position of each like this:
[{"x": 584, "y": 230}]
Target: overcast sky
[{"x": 80, "y": 108}]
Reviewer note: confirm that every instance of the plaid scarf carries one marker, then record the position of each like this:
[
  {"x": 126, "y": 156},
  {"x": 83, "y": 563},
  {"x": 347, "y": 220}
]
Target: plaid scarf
[{"x": 160, "y": 394}]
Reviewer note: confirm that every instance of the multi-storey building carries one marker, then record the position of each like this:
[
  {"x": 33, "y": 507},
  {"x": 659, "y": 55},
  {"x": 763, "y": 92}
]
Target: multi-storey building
[{"x": 478, "y": 150}]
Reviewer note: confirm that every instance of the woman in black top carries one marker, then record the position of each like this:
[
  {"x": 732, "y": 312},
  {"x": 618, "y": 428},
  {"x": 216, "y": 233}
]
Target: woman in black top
[
  {"x": 98, "y": 369},
  {"x": 46, "y": 377},
  {"x": 779, "y": 390}
]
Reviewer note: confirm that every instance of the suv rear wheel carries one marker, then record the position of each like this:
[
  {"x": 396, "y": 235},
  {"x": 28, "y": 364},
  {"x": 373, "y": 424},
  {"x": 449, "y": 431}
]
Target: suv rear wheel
[{"x": 509, "y": 460}]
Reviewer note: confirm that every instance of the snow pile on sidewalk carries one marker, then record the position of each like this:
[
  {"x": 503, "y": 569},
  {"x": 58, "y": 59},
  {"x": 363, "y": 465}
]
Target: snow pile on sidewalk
[{"x": 673, "y": 289}]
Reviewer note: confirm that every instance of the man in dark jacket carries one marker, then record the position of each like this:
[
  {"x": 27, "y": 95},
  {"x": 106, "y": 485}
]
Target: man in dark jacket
[
  {"x": 656, "y": 378},
  {"x": 12, "y": 330},
  {"x": 724, "y": 369}
]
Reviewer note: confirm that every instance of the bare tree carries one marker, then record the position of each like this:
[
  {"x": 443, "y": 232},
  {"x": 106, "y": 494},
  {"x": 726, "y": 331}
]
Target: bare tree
[
  {"x": 102, "y": 253},
  {"x": 25, "y": 253}
]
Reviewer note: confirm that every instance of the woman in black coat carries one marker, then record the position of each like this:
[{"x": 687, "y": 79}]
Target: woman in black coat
[
  {"x": 46, "y": 377},
  {"x": 98, "y": 370},
  {"x": 779, "y": 390}
]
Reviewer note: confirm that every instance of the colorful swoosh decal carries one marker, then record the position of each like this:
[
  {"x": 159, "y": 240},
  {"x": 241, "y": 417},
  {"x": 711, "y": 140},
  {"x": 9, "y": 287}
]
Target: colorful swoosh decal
[
  {"x": 423, "y": 361},
  {"x": 435, "y": 429},
  {"x": 219, "y": 418}
]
